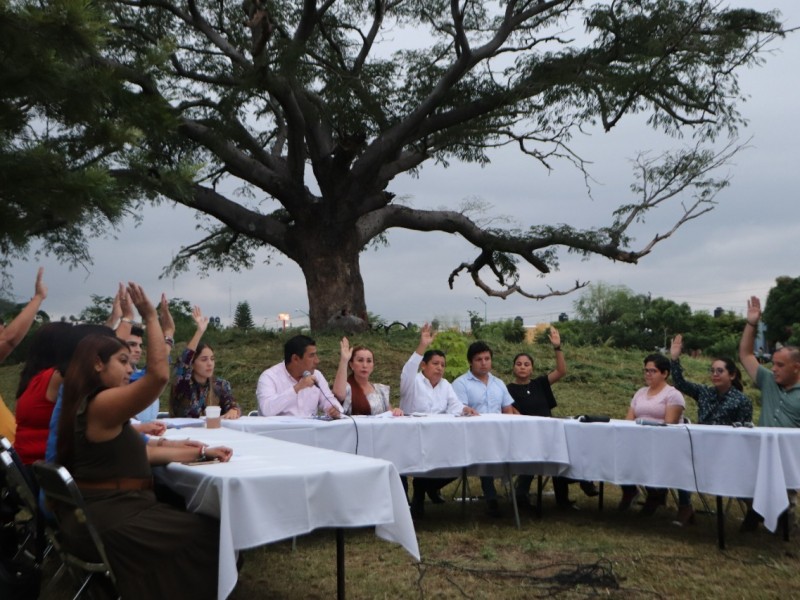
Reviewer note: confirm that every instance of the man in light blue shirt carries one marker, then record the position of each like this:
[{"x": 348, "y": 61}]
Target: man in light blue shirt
[{"x": 486, "y": 394}]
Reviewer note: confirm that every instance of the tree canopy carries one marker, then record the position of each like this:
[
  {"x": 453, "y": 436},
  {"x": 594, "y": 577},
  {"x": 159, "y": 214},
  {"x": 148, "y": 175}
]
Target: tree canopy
[
  {"x": 286, "y": 122},
  {"x": 616, "y": 316},
  {"x": 781, "y": 315},
  {"x": 57, "y": 130}
]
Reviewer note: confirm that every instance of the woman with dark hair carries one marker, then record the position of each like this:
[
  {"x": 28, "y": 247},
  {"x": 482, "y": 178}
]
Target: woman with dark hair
[
  {"x": 195, "y": 385},
  {"x": 657, "y": 401},
  {"x": 156, "y": 551},
  {"x": 721, "y": 403},
  {"x": 533, "y": 396},
  {"x": 38, "y": 390},
  {"x": 352, "y": 386}
]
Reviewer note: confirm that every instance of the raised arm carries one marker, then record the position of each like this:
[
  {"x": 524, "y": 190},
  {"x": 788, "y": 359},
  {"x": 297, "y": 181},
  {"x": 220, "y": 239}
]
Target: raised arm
[
  {"x": 561, "y": 364},
  {"x": 747, "y": 343},
  {"x": 114, "y": 406},
  {"x": 167, "y": 323},
  {"x": 676, "y": 370},
  {"x": 202, "y": 324},
  {"x": 340, "y": 382},
  {"x": 122, "y": 328},
  {"x": 16, "y": 330},
  {"x": 426, "y": 337}
]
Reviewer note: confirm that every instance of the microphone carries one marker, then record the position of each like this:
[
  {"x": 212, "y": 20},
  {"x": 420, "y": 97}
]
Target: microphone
[
  {"x": 324, "y": 395},
  {"x": 651, "y": 422}
]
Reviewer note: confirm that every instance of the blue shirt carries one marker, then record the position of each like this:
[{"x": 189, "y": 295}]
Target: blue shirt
[
  {"x": 151, "y": 412},
  {"x": 486, "y": 398}
]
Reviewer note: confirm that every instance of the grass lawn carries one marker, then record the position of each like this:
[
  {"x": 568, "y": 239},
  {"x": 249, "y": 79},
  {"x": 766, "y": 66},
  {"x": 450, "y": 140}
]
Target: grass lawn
[{"x": 466, "y": 554}]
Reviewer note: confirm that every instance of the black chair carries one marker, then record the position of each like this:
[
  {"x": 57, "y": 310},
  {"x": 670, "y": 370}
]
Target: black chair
[
  {"x": 62, "y": 494},
  {"x": 23, "y": 491}
]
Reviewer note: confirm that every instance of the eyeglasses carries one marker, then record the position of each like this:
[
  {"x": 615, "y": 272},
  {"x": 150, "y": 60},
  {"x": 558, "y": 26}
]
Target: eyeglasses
[
  {"x": 650, "y": 371},
  {"x": 717, "y": 371}
]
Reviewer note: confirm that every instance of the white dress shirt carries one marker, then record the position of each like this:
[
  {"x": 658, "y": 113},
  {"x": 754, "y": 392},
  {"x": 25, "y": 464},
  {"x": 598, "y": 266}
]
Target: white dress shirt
[
  {"x": 276, "y": 396},
  {"x": 418, "y": 395}
]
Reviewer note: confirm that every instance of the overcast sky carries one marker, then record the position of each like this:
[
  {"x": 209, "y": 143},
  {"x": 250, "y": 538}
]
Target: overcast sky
[{"x": 721, "y": 259}]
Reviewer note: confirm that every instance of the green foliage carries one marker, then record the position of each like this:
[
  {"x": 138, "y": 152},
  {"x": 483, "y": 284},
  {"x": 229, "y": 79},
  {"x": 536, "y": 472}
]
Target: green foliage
[
  {"x": 59, "y": 123},
  {"x": 781, "y": 311},
  {"x": 475, "y": 321},
  {"x": 454, "y": 345},
  {"x": 510, "y": 330},
  {"x": 243, "y": 318},
  {"x": 616, "y": 316},
  {"x": 98, "y": 311}
]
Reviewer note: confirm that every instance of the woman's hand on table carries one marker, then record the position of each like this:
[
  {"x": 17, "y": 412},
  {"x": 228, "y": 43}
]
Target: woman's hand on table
[
  {"x": 220, "y": 453},
  {"x": 233, "y": 413}
]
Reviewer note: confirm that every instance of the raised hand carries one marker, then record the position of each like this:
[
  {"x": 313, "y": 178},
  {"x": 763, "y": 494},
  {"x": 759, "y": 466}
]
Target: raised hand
[
  {"x": 167, "y": 322},
  {"x": 426, "y": 335},
  {"x": 116, "y": 309},
  {"x": 676, "y": 347},
  {"x": 40, "y": 289},
  {"x": 345, "y": 351},
  {"x": 555, "y": 337},
  {"x": 753, "y": 310},
  {"x": 125, "y": 303},
  {"x": 136, "y": 296},
  {"x": 199, "y": 319}
]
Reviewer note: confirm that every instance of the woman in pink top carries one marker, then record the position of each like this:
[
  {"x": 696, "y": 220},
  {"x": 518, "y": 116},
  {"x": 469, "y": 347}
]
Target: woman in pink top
[{"x": 658, "y": 401}]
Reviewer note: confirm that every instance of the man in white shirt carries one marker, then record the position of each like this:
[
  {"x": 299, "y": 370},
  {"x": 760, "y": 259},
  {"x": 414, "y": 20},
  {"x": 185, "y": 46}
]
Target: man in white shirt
[
  {"x": 294, "y": 387},
  {"x": 482, "y": 391},
  {"x": 427, "y": 391}
]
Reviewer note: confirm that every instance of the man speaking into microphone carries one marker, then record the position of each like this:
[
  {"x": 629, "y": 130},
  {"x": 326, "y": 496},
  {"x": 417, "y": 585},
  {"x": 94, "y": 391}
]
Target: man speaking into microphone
[{"x": 295, "y": 387}]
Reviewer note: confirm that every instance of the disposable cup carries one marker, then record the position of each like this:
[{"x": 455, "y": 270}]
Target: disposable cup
[{"x": 213, "y": 417}]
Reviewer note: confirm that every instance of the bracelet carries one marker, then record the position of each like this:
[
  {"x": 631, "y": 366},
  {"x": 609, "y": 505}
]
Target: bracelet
[
  {"x": 557, "y": 348},
  {"x": 126, "y": 320},
  {"x": 753, "y": 324},
  {"x": 169, "y": 340},
  {"x": 202, "y": 452}
]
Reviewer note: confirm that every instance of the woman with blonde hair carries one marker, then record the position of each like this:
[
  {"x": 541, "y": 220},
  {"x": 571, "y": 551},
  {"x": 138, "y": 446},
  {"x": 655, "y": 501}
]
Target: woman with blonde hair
[{"x": 352, "y": 387}]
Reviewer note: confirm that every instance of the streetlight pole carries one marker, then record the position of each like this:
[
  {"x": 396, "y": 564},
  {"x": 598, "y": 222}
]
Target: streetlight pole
[{"x": 484, "y": 308}]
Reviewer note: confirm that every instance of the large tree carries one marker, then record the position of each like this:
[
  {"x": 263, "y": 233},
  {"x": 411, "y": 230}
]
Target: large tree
[{"x": 286, "y": 122}]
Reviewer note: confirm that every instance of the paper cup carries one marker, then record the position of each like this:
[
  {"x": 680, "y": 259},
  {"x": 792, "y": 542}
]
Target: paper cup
[{"x": 213, "y": 417}]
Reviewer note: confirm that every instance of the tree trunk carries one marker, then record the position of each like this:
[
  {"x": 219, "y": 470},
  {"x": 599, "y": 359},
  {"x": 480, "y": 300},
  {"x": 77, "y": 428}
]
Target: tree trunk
[{"x": 333, "y": 280}]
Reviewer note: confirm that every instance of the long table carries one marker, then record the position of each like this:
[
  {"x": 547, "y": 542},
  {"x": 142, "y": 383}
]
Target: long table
[
  {"x": 759, "y": 463},
  {"x": 273, "y": 490},
  {"x": 437, "y": 445}
]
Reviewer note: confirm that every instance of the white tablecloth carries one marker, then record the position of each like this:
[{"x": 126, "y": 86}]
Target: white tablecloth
[
  {"x": 759, "y": 463},
  {"x": 433, "y": 444},
  {"x": 272, "y": 490}
]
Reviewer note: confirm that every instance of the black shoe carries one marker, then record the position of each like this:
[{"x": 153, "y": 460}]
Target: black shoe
[
  {"x": 589, "y": 488},
  {"x": 492, "y": 508},
  {"x": 751, "y": 521},
  {"x": 435, "y": 496}
]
